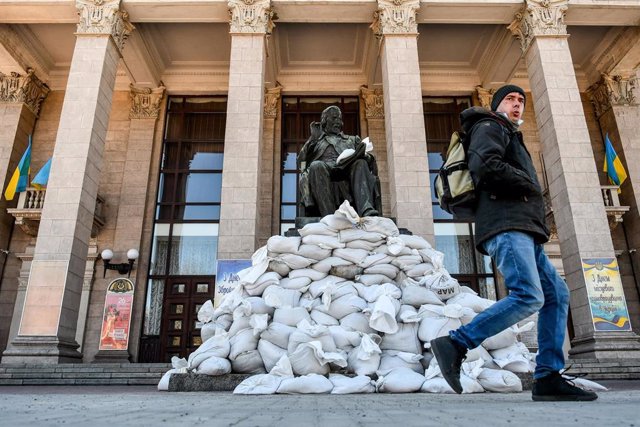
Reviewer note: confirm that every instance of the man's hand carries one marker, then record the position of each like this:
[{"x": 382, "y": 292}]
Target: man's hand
[{"x": 316, "y": 130}]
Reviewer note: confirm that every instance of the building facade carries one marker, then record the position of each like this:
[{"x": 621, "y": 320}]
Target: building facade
[{"x": 174, "y": 126}]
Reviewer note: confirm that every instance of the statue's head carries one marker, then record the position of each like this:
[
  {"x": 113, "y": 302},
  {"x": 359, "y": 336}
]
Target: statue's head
[{"x": 331, "y": 120}]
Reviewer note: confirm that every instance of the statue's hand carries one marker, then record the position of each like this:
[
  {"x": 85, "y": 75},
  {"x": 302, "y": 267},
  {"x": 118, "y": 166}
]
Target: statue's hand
[{"x": 316, "y": 130}]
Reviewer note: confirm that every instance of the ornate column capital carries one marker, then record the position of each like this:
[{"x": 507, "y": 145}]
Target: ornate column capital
[
  {"x": 27, "y": 89},
  {"x": 612, "y": 91},
  {"x": 251, "y": 16},
  {"x": 145, "y": 102},
  {"x": 395, "y": 17},
  {"x": 373, "y": 102},
  {"x": 539, "y": 18},
  {"x": 104, "y": 17},
  {"x": 484, "y": 96},
  {"x": 271, "y": 99}
]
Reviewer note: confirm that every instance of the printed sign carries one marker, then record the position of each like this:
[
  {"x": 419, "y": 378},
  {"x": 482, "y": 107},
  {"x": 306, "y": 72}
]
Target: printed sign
[
  {"x": 227, "y": 277},
  {"x": 606, "y": 296},
  {"x": 116, "y": 321}
]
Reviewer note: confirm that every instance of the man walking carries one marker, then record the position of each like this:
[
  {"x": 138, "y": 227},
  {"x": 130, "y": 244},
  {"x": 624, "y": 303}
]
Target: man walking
[{"x": 510, "y": 227}]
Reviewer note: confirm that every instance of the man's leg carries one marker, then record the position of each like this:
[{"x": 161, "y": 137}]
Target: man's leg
[
  {"x": 362, "y": 188},
  {"x": 322, "y": 190},
  {"x": 514, "y": 254}
]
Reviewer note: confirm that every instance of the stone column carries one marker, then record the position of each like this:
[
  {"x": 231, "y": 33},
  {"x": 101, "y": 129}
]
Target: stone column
[
  {"x": 410, "y": 189},
  {"x": 268, "y": 164},
  {"x": 574, "y": 187},
  {"x": 374, "y": 113},
  {"x": 48, "y": 327},
  {"x": 250, "y": 24}
]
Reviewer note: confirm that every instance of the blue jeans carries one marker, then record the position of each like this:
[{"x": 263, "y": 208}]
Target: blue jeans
[{"x": 534, "y": 285}]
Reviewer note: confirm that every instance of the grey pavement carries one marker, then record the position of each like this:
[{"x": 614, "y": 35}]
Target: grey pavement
[{"x": 143, "y": 405}]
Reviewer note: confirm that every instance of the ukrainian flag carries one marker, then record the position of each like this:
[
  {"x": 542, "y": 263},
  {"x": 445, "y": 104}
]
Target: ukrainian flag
[
  {"x": 612, "y": 164},
  {"x": 42, "y": 177},
  {"x": 20, "y": 177}
]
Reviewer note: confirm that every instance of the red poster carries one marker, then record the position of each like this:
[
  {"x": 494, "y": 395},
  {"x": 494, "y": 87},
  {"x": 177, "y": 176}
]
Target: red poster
[{"x": 116, "y": 321}]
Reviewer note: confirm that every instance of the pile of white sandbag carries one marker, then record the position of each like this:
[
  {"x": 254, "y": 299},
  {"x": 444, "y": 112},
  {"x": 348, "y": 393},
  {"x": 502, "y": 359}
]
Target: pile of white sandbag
[{"x": 349, "y": 296}]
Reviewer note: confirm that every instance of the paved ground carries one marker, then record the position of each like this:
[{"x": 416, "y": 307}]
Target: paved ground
[{"x": 142, "y": 406}]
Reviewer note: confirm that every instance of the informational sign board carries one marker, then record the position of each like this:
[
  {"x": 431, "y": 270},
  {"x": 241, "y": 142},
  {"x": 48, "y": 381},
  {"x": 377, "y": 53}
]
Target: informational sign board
[
  {"x": 227, "y": 277},
  {"x": 606, "y": 296},
  {"x": 116, "y": 321}
]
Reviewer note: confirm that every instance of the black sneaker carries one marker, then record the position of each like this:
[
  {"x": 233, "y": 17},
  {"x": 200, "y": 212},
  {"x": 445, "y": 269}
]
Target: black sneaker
[
  {"x": 554, "y": 388},
  {"x": 449, "y": 355}
]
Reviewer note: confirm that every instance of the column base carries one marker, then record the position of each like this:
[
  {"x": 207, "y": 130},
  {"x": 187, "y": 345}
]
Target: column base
[
  {"x": 41, "y": 350},
  {"x": 112, "y": 356},
  {"x": 606, "y": 346}
]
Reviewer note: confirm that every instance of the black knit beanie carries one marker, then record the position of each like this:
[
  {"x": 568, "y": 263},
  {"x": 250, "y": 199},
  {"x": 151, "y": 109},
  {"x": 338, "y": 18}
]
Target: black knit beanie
[{"x": 499, "y": 95}]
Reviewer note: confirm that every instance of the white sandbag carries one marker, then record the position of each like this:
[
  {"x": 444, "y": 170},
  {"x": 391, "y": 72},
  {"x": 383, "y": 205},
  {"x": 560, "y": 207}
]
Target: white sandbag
[
  {"x": 307, "y": 384},
  {"x": 391, "y": 359},
  {"x": 389, "y": 270},
  {"x": 514, "y": 358},
  {"x": 295, "y": 261},
  {"x": 474, "y": 302},
  {"x": 467, "y": 315},
  {"x": 278, "y": 334},
  {"x": 442, "y": 284},
  {"x": 400, "y": 380},
  {"x": 224, "y": 321},
  {"x": 306, "y": 332},
  {"x": 277, "y": 297},
  {"x": 243, "y": 341},
  {"x": 230, "y": 302},
  {"x": 270, "y": 353},
  {"x": 279, "y": 267},
  {"x": 299, "y": 283},
  {"x": 336, "y": 222},
  {"x": 375, "y": 259},
  {"x": 259, "y": 384},
  {"x": 506, "y": 338},
  {"x": 179, "y": 366},
  {"x": 383, "y": 314},
  {"x": 365, "y": 358},
  {"x": 404, "y": 339},
  {"x": 354, "y": 256},
  {"x": 406, "y": 262},
  {"x": 345, "y": 339},
  {"x": 417, "y": 296},
  {"x": 249, "y": 362},
  {"x": 585, "y": 384},
  {"x": 432, "y": 256},
  {"x": 216, "y": 346},
  {"x": 357, "y": 322},
  {"x": 346, "y": 305},
  {"x": 322, "y": 318},
  {"x": 325, "y": 242},
  {"x": 373, "y": 292},
  {"x": 351, "y": 385},
  {"x": 313, "y": 252},
  {"x": 435, "y": 383},
  {"x": 283, "y": 245},
  {"x": 326, "y": 264},
  {"x": 372, "y": 279},
  {"x": 259, "y": 264},
  {"x": 317, "y": 228},
  {"x": 258, "y": 323},
  {"x": 379, "y": 224},
  {"x": 347, "y": 271},
  {"x": 258, "y": 306},
  {"x": 290, "y": 315},
  {"x": 316, "y": 288},
  {"x": 282, "y": 368},
  {"x": 500, "y": 381},
  {"x": 437, "y": 321},
  {"x": 480, "y": 353},
  {"x": 394, "y": 247},
  {"x": 205, "y": 314},
  {"x": 310, "y": 273},
  {"x": 308, "y": 302},
  {"x": 309, "y": 358},
  {"x": 333, "y": 291},
  {"x": 421, "y": 269},
  {"x": 414, "y": 242},
  {"x": 347, "y": 211},
  {"x": 352, "y": 234},
  {"x": 427, "y": 357},
  {"x": 363, "y": 244},
  {"x": 214, "y": 366},
  {"x": 467, "y": 290},
  {"x": 208, "y": 330},
  {"x": 408, "y": 314}
]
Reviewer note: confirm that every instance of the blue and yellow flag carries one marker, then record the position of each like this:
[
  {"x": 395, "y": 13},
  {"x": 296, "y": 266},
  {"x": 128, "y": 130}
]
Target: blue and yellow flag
[
  {"x": 20, "y": 177},
  {"x": 612, "y": 164},
  {"x": 42, "y": 177}
]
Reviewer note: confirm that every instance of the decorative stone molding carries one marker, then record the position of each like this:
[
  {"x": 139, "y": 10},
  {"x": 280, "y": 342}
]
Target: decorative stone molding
[
  {"x": 484, "y": 96},
  {"x": 26, "y": 89},
  {"x": 395, "y": 17},
  {"x": 539, "y": 18},
  {"x": 373, "y": 102},
  {"x": 145, "y": 102},
  {"x": 271, "y": 100},
  {"x": 251, "y": 16},
  {"x": 612, "y": 91},
  {"x": 104, "y": 17}
]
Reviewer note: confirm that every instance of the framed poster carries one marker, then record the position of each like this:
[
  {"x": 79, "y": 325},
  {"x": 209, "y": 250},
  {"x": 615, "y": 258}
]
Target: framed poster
[
  {"x": 116, "y": 320},
  {"x": 227, "y": 277},
  {"x": 606, "y": 296}
]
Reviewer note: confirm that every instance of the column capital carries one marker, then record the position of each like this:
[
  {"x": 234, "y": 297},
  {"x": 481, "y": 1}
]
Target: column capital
[
  {"x": 251, "y": 16},
  {"x": 484, "y": 96},
  {"x": 104, "y": 17},
  {"x": 539, "y": 18},
  {"x": 27, "y": 89},
  {"x": 145, "y": 102},
  {"x": 373, "y": 102},
  {"x": 271, "y": 99},
  {"x": 396, "y": 17},
  {"x": 612, "y": 91}
]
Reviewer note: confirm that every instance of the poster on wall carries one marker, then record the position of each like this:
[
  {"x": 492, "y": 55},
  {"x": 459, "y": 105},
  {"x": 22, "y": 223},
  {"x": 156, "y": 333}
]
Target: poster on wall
[
  {"x": 606, "y": 297},
  {"x": 227, "y": 277},
  {"x": 116, "y": 320}
]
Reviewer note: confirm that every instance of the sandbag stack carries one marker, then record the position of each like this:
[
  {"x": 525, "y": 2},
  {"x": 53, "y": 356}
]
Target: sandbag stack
[{"x": 349, "y": 296}]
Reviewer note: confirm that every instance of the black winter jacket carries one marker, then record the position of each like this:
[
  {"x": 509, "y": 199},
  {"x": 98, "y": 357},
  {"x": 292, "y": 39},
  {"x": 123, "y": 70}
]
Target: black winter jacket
[{"x": 508, "y": 192}]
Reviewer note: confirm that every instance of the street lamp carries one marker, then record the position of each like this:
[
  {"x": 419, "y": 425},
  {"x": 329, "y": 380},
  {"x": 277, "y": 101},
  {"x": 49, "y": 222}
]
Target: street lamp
[{"x": 123, "y": 268}]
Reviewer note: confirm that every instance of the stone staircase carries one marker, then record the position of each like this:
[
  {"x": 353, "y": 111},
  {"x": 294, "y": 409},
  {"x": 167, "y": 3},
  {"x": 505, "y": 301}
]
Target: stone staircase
[
  {"x": 83, "y": 374},
  {"x": 618, "y": 369}
]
